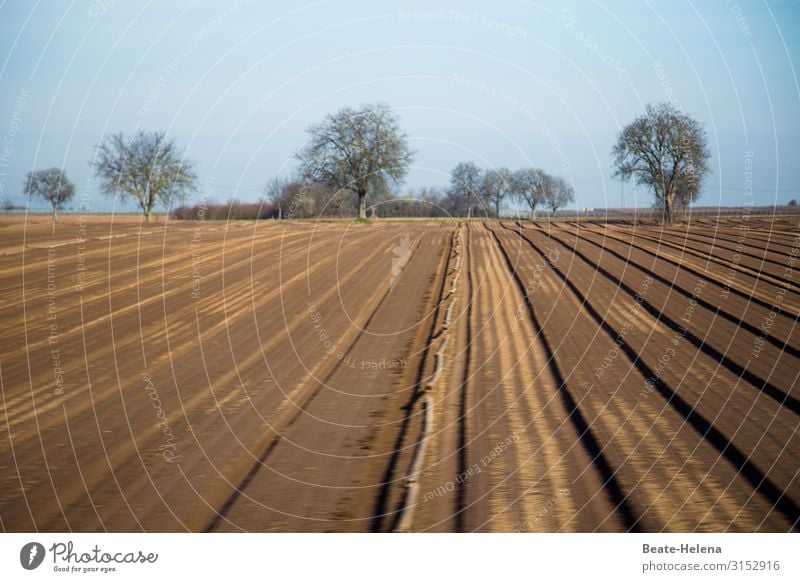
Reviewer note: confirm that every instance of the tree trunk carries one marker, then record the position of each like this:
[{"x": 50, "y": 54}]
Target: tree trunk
[
  {"x": 668, "y": 200},
  {"x": 497, "y": 208},
  {"x": 669, "y": 204},
  {"x": 55, "y": 214},
  {"x": 533, "y": 213},
  {"x": 147, "y": 214},
  {"x": 362, "y": 205}
]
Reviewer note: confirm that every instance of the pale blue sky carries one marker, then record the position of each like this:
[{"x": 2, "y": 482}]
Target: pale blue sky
[{"x": 510, "y": 83}]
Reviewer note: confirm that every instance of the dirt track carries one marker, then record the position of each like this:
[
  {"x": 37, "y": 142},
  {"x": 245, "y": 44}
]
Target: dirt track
[{"x": 398, "y": 376}]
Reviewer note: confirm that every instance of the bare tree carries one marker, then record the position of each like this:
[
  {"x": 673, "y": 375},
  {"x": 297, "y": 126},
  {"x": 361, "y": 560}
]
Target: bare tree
[
  {"x": 51, "y": 185},
  {"x": 528, "y": 187},
  {"x": 432, "y": 202},
  {"x": 357, "y": 150},
  {"x": 558, "y": 193},
  {"x": 148, "y": 168},
  {"x": 274, "y": 192},
  {"x": 465, "y": 187},
  {"x": 495, "y": 186},
  {"x": 300, "y": 199},
  {"x": 665, "y": 149},
  {"x": 292, "y": 198}
]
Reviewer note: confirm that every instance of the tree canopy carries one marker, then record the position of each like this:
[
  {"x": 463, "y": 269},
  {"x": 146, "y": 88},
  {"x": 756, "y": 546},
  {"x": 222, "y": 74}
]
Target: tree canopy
[
  {"x": 51, "y": 185},
  {"x": 359, "y": 150},
  {"x": 558, "y": 193},
  {"x": 465, "y": 187},
  {"x": 666, "y": 150},
  {"x": 148, "y": 168},
  {"x": 529, "y": 186},
  {"x": 496, "y": 185}
]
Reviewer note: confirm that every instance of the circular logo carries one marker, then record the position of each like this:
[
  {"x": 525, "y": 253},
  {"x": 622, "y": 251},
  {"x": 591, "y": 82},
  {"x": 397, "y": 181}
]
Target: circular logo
[{"x": 31, "y": 555}]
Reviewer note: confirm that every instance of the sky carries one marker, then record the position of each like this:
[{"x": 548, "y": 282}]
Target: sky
[{"x": 506, "y": 83}]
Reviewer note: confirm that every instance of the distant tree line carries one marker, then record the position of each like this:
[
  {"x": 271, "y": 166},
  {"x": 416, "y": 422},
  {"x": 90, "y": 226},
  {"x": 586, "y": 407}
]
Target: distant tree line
[
  {"x": 354, "y": 160},
  {"x": 231, "y": 210},
  {"x": 473, "y": 192},
  {"x": 476, "y": 192}
]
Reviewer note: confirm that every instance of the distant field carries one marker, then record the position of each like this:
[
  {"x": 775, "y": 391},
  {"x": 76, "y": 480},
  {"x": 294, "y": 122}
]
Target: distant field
[{"x": 399, "y": 376}]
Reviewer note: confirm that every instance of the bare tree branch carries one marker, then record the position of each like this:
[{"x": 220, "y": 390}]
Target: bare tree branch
[
  {"x": 148, "y": 168},
  {"x": 665, "y": 149},
  {"x": 357, "y": 150},
  {"x": 51, "y": 185}
]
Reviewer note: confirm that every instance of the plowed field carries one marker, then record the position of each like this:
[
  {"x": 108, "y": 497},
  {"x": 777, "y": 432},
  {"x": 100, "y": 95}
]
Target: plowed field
[{"x": 398, "y": 376}]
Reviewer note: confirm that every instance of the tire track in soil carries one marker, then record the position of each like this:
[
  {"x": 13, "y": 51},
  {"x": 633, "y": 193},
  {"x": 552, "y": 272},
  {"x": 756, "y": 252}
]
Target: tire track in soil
[
  {"x": 325, "y": 474},
  {"x": 389, "y": 503},
  {"x": 281, "y": 428}
]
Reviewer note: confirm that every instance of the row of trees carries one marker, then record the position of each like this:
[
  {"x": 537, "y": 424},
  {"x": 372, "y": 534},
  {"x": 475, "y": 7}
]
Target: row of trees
[
  {"x": 473, "y": 190},
  {"x": 356, "y": 153}
]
